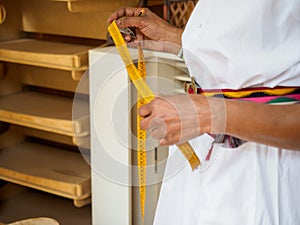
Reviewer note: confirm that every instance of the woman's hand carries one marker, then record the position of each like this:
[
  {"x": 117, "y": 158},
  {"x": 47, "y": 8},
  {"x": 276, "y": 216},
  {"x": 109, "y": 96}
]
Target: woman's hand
[
  {"x": 176, "y": 119},
  {"x": 160, "y": 35}
]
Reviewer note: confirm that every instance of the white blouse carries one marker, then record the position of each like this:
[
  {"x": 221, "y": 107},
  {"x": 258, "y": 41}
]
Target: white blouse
[{"x": 242, "y": 43}]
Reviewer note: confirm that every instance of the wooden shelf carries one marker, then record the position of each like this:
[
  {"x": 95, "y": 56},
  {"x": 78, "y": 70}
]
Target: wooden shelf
[
  {"x": 56, "y": 55},
  {"x": 45, "y": 112},
  {"x": 76, "y": 6},
  {"x": 47, "y": 78},
  {"x": 81, "y": 142},
  {"x": 19, "y": 202},
  {"x": 49, "y": 169},
  {"x": 15, "y": 76}
]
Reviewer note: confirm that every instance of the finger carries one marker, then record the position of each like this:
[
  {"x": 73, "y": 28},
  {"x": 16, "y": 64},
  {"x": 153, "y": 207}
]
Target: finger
[
  {"x": 121, "y": 12},
  {"x": 127, "y": 21},
  {"x": 144, "y": 124},
  {"x": 157, "y": 128},
  {"x": 151, "y": 122},
  {"x": 145, "y": 110}
]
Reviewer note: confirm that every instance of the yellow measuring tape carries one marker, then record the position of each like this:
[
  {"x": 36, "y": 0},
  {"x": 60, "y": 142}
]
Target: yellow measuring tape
[
  {"x": 147, "y": 96},
  {"x": 141, "y": 138}
]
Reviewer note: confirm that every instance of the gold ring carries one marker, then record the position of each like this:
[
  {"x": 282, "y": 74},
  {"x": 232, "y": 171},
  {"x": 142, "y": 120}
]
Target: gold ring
[{"x": 141, "y": 12}]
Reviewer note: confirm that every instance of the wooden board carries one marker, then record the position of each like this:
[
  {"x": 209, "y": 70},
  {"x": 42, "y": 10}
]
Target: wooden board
[
  {"x": 81, "y": 142},
  {"x": 87, "y": 19},
  {"x": 47, "y": 16},
  {"x": 46, "y": 54},
  {"x": 75, "y": 6},
  {"x": 15, "y": 134},
  {"x": 46, "y": 168},
  {"x": 45, "y": 112},
  {"x": 44, "y": 77},
  {"x": 96, "y": 5}
]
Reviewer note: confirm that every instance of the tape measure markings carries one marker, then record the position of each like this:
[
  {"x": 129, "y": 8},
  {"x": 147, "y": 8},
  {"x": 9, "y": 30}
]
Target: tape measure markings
[
  {"x": 147, "y": 95},
  {"x": 141, "y": 138}
]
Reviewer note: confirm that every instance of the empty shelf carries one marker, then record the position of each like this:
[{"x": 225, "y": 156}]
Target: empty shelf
[
  {"x": 45, "y": 112},
  {"x": 45, "y": 168},
  {"x": 48, "y": 54},
  {"x": 83, "y": 142},
  {"x": 92, "y": 5}
]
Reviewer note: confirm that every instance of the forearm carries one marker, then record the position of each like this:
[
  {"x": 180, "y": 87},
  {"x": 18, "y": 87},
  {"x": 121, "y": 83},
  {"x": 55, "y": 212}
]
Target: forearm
[{"x": 275, "y": 125}]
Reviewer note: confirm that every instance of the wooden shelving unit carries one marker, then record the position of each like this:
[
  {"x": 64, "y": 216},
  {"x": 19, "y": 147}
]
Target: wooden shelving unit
[
  {"x": 45, "y": 168},
  {"x": 38, "y": 80}
]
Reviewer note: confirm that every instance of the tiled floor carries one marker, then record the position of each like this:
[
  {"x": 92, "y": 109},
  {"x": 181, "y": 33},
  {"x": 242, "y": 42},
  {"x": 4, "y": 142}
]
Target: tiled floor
[{"x": 17, "y": 203}]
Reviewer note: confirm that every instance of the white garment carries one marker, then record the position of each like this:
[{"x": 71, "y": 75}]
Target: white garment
[
  {"x": 236, "y": 44},
  {"x": 244, "y": 43}
]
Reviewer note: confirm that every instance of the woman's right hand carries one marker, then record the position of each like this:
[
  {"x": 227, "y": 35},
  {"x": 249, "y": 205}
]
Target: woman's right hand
[{"x": 160, "y": 35}]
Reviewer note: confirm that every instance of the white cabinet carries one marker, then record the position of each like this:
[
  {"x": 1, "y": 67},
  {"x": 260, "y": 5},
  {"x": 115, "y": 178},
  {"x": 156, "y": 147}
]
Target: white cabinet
[{"x": 113, "y": 157}]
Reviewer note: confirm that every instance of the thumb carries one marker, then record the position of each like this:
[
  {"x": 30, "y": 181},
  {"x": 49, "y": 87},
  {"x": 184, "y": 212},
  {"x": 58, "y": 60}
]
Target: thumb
[{"x": 145, "y": 110}]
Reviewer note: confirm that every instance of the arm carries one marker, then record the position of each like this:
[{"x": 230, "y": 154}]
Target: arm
[
  {"x": 182, "y": 117},
  {"x": 160, "y": 35},
  {"x": 275, "y": 125}
]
